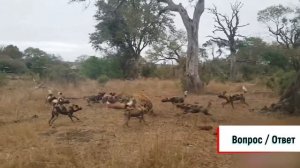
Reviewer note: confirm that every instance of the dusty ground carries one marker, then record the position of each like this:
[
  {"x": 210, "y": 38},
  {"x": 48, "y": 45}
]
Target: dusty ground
[{"x": 170, "y": 139}]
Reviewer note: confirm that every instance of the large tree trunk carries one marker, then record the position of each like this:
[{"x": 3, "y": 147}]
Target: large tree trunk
[
  {"x": 233, "y": 70},
  {"x": 192, "y": 79},
  {"x": 290, "y": 100},
  {"x": 233, "y": 67},
  {"x": 193, "y": 82}
]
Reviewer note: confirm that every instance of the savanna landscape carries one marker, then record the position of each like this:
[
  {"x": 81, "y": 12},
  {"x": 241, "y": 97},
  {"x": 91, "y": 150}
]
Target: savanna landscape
[
  {"x": 159, "y": 85},
  {"x": 100, "y": 139}
]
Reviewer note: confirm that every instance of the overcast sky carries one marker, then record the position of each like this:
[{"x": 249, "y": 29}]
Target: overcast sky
[{"x": 61, "y": 28}]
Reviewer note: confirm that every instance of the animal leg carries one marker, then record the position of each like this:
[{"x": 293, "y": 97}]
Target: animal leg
[
  {"x": 55, "y": 117},
  {"x": 143, "y": 119},
  {"x": 231, "y": 102},
  {"x": 223, "y": 104},
  {"x": 127, "y": 120},
  {"x": 75, "y": 117},
  {"x": 51, "y": 119},
  {"x": 70, "y": 116},
  {"x": 244, "y": 102}
]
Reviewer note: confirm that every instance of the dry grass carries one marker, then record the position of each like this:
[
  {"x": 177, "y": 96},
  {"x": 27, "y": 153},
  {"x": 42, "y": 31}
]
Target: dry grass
[{"x": 170, "y": 139}]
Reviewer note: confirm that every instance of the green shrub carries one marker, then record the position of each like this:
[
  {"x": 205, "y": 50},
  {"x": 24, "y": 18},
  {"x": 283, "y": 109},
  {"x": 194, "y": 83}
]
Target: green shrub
[
  {"x": 93, "y": 67},
  {"x": 103, "y": 79},
  {"x": 3, "y": 79},
  {"x": 281, "y": 80},
  {"x": 12, "y": 66},
  {"x": 148, "y": 70}
]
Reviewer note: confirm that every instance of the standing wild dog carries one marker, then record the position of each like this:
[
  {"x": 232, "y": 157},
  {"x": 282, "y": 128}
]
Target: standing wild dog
[
  {"x": 231, "y": 98},
  {"x": 61, "y": 109}
]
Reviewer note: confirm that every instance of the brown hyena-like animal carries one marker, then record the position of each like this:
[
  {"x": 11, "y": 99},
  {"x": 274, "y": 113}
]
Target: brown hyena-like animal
[
  {"x": 232, "y": 98},
  {"x": 138, "y": 106},
  {"x": 143, "y": 100},
  {"x": 61, "y": 109},
  {"x": 138, "y": 112}
]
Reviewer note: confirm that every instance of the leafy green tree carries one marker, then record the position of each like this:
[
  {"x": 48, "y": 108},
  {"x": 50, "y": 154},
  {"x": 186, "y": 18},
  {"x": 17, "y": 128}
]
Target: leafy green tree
[
  {"x": 62, "y": 73},
  {"x": 39, "y": 62},
  {"x": 11, "y": 51},
  {"x": 127, "y": 27},
  {"x": 10, "y": 60},
  {"x": 283, "y": 24},
  {"x": 93, "y": 67},
  {"x": 169, "y": 47},
  {"x": 9, "y": 65},
  {"x": 276, "y": 59}
]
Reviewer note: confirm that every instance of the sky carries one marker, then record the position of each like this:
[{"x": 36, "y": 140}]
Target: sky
[{"x": 61, "y": 28}]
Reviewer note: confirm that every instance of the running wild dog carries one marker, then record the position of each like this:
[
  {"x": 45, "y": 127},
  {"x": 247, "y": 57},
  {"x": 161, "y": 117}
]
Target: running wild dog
[
  {"x": 232, "y": 98},
  {"x": 61, "y": 109}
]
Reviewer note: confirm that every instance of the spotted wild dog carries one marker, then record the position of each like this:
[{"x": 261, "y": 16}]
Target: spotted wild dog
[
  {"x": 62, "y": 109},
  {"x": 95, "y": 98},
  {"x": 122, "y": 103},
  {"x": 173, "y": 100},
  {"x": 52, "y": 100},
  {"x": 232, "y": 98},
  {"x": 110, "y": 98},
  {"x": 193, "y": 108}
]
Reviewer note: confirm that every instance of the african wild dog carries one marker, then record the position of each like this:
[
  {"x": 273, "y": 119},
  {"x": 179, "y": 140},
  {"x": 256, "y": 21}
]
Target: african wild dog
[
  {"x": 231, "y": 98},
  {"x": 52, "y": 100},
  {"x": 173, "y": 100},
  {"x": 110, "y": 98},
  {"x": 192, "y": 108},
  {"x": 94, "y": 98},
  {"x": 61, "y": 109}
]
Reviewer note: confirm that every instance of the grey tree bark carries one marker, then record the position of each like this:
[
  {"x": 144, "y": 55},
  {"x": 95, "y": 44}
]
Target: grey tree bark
[
  {"x": 192, "y": 79},
  {"x": 229, "y": 25}
]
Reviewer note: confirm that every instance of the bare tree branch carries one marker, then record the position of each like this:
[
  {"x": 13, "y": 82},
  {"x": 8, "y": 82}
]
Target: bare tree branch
[{"x": 228, "y": 25}]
